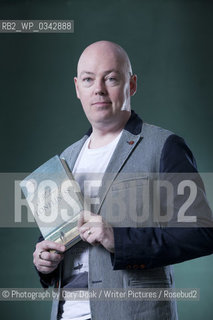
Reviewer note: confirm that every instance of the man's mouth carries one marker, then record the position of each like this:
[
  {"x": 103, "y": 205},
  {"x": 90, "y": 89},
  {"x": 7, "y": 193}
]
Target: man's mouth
[{"x": 101, "y": 103}]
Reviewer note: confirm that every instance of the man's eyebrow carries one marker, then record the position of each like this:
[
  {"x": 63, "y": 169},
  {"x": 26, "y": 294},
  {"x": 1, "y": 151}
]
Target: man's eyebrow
[
  {"x": 105, "y": 72},
  {"x": 112, "y": 70},
  {"x": 87, "y": 72}
]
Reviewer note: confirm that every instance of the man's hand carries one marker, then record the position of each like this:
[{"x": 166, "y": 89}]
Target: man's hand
[
  {"x": 44, "y": 260},
  {"x": 95, "y": 230}
]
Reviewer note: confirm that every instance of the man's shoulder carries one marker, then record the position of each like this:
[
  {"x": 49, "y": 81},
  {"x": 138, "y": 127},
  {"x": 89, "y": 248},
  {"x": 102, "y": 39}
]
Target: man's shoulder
[
  {"x": 154, "y": 138},
  {"x": 151, "y": 130},
  {"x": 76, "y": 145},
  {"x": 136, "y": 126}
]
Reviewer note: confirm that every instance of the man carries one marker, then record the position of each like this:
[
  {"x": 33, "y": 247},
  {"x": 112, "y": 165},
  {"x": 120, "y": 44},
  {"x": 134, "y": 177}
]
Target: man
[{"x": 120, "y": 249}]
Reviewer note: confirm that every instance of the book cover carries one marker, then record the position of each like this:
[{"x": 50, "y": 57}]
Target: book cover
[{"x": 55, "y": 200}]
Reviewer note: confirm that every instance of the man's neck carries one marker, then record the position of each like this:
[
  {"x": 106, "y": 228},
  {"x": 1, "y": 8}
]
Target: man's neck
[
  {"x": 103, "y": 135},
  {"x": 98, "y": 140}
]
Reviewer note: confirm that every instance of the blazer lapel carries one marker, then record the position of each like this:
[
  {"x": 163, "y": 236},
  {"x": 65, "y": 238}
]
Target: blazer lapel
[
  {"x": 125, "y": 147},
  {"x": 75, "y": 152}
]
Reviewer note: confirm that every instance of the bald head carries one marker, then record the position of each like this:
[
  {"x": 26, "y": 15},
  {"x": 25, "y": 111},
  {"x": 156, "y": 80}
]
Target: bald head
[{"x": 105, "y": 49}]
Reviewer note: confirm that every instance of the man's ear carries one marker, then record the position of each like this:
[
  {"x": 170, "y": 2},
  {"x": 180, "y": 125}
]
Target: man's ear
[
  {"x": 133, "y": 84},
  {"x": 76, "y": 87}
]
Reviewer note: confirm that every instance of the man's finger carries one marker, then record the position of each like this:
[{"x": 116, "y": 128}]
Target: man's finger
[
  {"x": 47, "y": 245},
  {"x": 50, "y": 256}
]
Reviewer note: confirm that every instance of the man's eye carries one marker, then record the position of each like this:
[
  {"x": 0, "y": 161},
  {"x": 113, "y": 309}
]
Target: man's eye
[
  {"x": 112, "y": 79},
  {"x": 88, "y": 79}
]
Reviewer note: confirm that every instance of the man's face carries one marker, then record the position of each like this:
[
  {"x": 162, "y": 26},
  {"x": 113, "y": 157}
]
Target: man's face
[{"x": 104, "y": 86}]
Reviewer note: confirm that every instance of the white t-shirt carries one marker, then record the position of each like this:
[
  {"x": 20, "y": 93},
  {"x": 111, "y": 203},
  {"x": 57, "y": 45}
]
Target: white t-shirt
[{"x": 89, "y": 161}]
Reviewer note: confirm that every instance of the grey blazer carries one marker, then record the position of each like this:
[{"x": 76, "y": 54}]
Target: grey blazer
[{"x": 138, "y": 152}]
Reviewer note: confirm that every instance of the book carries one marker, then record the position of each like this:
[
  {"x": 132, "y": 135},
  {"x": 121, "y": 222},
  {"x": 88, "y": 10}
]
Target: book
[{"x": 55, "y": 200}]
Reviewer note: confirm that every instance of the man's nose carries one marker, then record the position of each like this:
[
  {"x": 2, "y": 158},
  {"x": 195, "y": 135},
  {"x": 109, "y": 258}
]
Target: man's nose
[{"x": 100, "y": 87}]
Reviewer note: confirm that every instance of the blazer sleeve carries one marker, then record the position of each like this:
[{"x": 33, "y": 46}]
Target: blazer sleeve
[{"x": 138, "y": 248}]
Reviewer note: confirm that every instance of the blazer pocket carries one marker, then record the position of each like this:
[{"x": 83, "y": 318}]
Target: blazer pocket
[
  {"x": 150, "y": 283},
  {"x": 127, "y": 202},
  {"x": 127, "y": 183}
]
